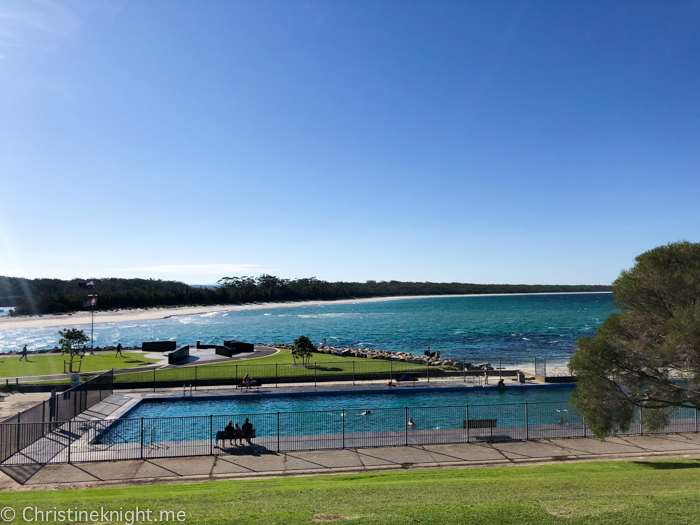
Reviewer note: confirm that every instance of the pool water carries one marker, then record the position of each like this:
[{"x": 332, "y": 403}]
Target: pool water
[
  {"x": 327, "y": 415},
  {"x": 303, "y": 403}
]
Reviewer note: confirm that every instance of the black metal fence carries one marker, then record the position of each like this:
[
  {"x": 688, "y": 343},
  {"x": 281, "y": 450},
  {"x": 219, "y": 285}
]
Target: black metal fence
[
  {"x": 25, "y": 428},
  {"x": 355, "y": 372},
  {"x": 107, "y": 440}
]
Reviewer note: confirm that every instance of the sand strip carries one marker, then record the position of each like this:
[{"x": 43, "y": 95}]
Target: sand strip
[{"x": 81, "y": 318}]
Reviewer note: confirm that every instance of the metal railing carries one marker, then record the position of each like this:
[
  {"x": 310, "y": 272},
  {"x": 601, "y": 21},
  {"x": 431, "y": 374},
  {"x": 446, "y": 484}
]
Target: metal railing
[
  {"x": 25, "y": 428},
  {"x": 355, "y": 372},
  {"x": 142, "y": 438}
]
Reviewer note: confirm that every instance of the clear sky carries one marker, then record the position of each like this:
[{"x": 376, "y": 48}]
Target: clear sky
[{"x": 489, "y": 142}]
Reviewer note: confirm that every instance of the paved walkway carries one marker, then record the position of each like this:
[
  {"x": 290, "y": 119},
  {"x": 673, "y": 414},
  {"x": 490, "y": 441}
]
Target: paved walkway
[{"x": 248, "y": 463}]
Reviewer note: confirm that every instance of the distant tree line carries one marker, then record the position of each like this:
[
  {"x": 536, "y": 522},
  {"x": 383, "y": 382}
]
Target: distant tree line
[{"x": 46, "y": 296}]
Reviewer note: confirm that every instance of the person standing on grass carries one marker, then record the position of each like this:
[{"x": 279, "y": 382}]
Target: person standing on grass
[
  {"x": 119, "y": 350},
  {"x": 24, "y": 354}
]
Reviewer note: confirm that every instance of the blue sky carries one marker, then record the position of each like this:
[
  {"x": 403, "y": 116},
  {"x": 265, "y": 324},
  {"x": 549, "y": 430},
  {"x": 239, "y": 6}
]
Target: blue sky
[{"x": 489, "y": 142}]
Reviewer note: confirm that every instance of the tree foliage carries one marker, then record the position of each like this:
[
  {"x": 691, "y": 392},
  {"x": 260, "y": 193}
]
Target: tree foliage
[
  {"x": 302, "y": 349},
  {"x": 647, "y": 355},
  {"x": 44, "y": 296},
  {"x": 72, "y": 343}
]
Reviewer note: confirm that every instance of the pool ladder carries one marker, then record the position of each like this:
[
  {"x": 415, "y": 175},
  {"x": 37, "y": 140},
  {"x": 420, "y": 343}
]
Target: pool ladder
[{"x": 184, "y": 390}]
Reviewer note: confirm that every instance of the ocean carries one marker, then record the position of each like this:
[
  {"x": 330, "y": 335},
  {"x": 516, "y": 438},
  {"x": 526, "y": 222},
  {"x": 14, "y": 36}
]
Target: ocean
[{"x": 514, "y": 327}]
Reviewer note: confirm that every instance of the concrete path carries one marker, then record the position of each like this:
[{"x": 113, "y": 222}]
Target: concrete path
[
  {"x": 12, "y": 403},
  {"x": 247, "y": 463}
]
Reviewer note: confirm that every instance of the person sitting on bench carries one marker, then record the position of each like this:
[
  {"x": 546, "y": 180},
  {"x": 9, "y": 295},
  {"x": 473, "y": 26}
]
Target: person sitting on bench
[
  {"x": 229, "y": 432},
  {"x": 247, "y": 431},
  {"x": 246, "y": 381},
  {"x": 238, "y": 434}
]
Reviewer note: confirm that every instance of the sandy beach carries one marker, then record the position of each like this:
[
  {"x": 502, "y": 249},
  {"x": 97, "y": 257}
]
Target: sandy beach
[{"x": 81, "y": 318}]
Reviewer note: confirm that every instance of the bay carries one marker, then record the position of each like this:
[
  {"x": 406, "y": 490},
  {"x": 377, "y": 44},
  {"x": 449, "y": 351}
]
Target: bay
[{"x": 514, "y": 327}]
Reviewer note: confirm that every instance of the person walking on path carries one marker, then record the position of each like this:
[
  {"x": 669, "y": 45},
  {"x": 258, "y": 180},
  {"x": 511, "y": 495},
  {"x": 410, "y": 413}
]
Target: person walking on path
[
  {"x": 24, "y": 354},
  {"x": 119, "y": 350}
]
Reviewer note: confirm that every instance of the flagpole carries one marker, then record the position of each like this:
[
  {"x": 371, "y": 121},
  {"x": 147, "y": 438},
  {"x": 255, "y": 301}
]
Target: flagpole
[{"x": 93, "y": 301}]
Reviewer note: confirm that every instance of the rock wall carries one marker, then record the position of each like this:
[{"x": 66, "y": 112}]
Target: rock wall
[{"x": 388, "y": 355}]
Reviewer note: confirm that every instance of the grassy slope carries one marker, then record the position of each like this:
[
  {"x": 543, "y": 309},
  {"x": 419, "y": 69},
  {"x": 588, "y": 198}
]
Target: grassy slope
[
  {"x": 328, "y": 364},
  {"x": 606, "y": 492},
  {"x": 53, "y": 364}
]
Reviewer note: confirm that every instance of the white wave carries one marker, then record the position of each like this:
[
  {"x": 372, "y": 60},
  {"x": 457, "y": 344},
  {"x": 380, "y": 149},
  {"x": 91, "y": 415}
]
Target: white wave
[
  {"x": 267, "y": 314},
  {"x": 316, "y": 316}
]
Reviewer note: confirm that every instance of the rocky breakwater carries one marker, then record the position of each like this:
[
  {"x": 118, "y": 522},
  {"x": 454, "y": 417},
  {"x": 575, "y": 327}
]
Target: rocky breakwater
[{"x": 389, "y": 355}]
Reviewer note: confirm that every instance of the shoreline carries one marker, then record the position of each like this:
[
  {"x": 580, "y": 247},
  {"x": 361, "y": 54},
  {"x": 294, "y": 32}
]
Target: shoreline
[{"x": 150, "y": 314}]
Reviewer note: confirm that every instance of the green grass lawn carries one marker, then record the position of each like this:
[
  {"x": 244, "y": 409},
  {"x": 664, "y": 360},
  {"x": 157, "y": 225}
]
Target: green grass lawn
[
  {"x": 265, "y": 368},
  {"x": 53, "y": 364},
  {"x": 660, "y": 492}
]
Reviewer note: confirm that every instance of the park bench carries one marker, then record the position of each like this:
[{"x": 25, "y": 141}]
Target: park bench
[
  {"x": 257, "y": 385},
  {"x": 222, "y": 435},
  {"x": 481, "y": 423},
  {"x": 406, "y": 378}
]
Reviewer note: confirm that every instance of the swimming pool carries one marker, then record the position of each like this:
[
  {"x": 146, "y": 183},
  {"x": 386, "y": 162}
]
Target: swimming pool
[
  {"x": 314, "y": 419},
  {"x": 320, "y": 402}
]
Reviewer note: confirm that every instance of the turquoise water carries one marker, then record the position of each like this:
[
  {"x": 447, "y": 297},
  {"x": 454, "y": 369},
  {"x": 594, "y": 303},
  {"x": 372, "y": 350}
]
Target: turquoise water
[
  {"x": 478, "y": 396},
  {"x": 318, "y": 415},
  {"x": 472, "y": 328}
]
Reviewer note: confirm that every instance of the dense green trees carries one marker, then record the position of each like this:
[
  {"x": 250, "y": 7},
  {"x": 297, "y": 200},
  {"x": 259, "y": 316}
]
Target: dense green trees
[
  {"x": 41, "y": 296},
  {"x": 648, "y": 355}
]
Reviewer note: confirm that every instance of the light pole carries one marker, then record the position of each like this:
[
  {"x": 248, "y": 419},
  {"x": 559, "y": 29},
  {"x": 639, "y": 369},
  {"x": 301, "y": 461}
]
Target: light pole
[{"x": 93, "y": 301}]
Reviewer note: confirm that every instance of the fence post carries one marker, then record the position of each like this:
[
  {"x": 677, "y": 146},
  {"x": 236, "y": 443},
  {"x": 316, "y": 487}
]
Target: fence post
[
  {"x": 527, "y": 424},
  {"x": 211, "y": 433},
  {"x": 405, "y": 426},
  {"x": 467, "y": 423},
  {"x": 278, "y": 431},
  {"x": 19, "y": 418},
  {"x": 154, "y": 378},
  {"x": 464, "y": 369},
  {"x": 391, "y": 370},
  {"x": 43, "y": 415},
  {"x": 545, "y": 368},
  {"x": 315, "y": 372},
  {"x": 353, "y": 376},
  {"x": 70, "y": 433},
  {"x": 343, "y": 428},
  {"x": 500, "y": 368},
  {"x": 276, "y": 385},
  {"x": 236, "y": 372},
  {"x": 141, "y": 438},
  {"x": 195, "y": 376},
  {"x": 427, "y": 367},
  {"x": 696, "y": 420}
]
